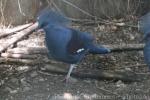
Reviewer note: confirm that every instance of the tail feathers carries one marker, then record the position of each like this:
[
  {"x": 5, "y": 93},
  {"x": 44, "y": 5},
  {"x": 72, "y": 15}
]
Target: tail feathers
[
  {"x": 98, "y": 50},
  {"x": 50, "y": 16}
]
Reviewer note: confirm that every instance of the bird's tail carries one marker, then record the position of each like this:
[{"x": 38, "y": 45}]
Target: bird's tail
[
  {"x": 144, "y": 24},
  {"x": 50, "y": 16},
  {"x": 93, "y": 49}
]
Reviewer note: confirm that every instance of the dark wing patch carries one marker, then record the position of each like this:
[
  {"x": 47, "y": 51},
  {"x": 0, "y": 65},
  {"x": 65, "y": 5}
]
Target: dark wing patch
[{"x": 75, "y": 43}]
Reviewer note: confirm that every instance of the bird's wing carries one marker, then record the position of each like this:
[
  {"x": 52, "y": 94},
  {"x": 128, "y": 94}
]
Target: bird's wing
[{"x": 78, "y": 42}]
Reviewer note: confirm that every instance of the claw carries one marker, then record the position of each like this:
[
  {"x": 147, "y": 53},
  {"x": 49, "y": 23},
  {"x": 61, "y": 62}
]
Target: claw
[{"x": 66, "y": 80}]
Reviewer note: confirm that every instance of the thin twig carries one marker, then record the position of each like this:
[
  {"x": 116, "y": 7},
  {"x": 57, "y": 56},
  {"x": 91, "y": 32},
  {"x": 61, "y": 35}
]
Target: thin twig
[
  {"x": 107, "y": 90},
  {"x": 83, "y": 11},
  {"x": 20, "y": 9}
]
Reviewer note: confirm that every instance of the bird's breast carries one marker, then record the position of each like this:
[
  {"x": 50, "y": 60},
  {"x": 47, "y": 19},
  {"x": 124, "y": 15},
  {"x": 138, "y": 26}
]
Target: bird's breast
[{"x": 147, "y": 53}]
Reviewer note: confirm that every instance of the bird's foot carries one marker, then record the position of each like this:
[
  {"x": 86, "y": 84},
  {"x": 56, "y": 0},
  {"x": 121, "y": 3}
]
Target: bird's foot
[
  {"x": 66, "y": 80},
  {"x": 70, "y": 79}
]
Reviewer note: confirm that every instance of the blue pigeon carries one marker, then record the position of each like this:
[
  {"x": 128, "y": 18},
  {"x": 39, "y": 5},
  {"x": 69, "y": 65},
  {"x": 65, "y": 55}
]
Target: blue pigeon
[
  {"x": 144, "y": 26},
  {"x": 66, "y": 44}
]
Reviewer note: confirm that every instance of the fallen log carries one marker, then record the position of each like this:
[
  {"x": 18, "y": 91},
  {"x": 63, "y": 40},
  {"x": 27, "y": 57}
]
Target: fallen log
[
  {"x": 125, "y": 47},
  {"x": 25, "y": 61},
  {"x": 29, "y": 50},
  {"x": 59, "y": 68},
  {"x": 125, "y": 76},
  {"x": 15, "y": 61},
  {"x": 19, "y": 36},
  {"x": 4, "y": 32},
  {"x": 18, "y": 56},
  {"x": 43, "y": 50}
]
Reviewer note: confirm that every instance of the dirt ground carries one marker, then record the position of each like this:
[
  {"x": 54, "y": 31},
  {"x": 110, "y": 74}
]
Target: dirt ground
[{"x": 17, "y": 82}]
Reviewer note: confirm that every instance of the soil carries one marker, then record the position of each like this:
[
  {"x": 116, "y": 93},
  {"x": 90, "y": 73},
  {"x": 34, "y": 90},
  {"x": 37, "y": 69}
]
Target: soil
[{"x": 26, "y": 82}]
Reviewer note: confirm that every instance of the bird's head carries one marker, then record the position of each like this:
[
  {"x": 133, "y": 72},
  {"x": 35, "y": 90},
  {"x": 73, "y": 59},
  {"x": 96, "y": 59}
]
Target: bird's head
[{"x": 51, "y": 16}]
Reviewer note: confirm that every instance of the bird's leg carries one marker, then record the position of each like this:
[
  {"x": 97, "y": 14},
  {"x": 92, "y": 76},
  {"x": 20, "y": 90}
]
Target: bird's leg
[{"x": 69, "y": 72}]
